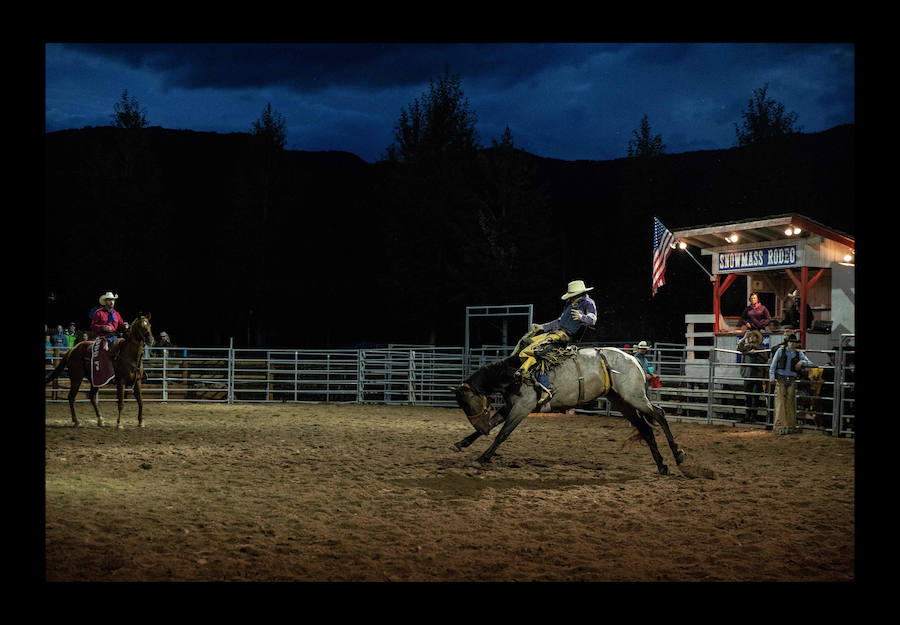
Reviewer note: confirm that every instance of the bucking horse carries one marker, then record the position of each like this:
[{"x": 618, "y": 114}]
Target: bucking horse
[{"x": 584, "y": 375}]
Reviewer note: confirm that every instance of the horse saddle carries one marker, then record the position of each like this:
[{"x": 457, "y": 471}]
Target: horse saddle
[
  {"x": 102, "y": 369},
  {"x": 552, "y": 355}
]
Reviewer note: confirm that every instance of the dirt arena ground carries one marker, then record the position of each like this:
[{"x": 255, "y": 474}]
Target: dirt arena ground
[{"x": 292, "y": 492}]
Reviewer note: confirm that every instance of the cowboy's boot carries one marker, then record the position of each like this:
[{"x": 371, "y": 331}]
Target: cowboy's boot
[
  {"x": 546, "y": 389},
  {"x": 522, "y": 373}
]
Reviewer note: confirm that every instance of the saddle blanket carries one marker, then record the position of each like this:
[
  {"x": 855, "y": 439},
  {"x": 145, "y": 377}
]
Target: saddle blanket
[{"x": 102, "y": 370}]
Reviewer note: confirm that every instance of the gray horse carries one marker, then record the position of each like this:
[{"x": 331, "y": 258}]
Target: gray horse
[{"x": 583, "y": 377}]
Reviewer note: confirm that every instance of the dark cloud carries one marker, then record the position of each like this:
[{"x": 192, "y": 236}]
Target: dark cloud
[
  {"x": 316, "y": 66},
  {"x": 569, "y": 101}
]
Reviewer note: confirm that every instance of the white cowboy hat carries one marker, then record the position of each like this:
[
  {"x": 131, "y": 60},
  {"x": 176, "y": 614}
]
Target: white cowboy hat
[
  {"x": 643, "y": 345},
  {"x": 108, "y": 295},
  {"x": 576, "y": 288}
]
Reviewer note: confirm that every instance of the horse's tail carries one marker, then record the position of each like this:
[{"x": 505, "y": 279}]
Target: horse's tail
[{"x": 59, "y": 368}]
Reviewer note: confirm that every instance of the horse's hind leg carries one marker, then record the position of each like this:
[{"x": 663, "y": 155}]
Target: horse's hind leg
[
  {"x": 93, "y": 395},
  {"x": 74, "y": 386},
  {"x": 660, "y": 416},
  {"x": 645, "y": 431}
]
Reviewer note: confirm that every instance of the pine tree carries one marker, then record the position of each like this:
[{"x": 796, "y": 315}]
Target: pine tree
[
  {"x": 128, "y": 113},
  {"x": 644, "y": 144},
  {"x": 764, "y": 119}
]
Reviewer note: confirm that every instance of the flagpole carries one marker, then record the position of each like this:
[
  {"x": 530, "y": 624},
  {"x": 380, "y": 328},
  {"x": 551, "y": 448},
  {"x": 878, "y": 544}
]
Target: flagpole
[{"x": 688, "y": 252}]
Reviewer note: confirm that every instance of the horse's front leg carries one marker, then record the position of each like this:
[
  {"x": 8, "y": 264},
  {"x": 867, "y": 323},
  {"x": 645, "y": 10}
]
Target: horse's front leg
[
  {"x": 120, "y": 400},
  {"x": 140, "y": 402},
  {"x": 471, "y": 438},
  {"x": 496, "y": 419},
  {"x": 516, "y": 415}
]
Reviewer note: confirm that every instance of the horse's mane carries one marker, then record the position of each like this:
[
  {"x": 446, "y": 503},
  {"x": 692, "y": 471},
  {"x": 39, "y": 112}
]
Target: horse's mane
[{"x": 494, "y": 376}]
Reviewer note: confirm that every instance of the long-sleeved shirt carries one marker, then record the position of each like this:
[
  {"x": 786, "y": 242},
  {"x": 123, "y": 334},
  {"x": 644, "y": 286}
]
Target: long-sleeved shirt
[
  {"x": 757, "y": 316},
  {"x": 567, "y": 321},
  {"x": 103, "y": 318},
  {"x": 790, "y": 361}
]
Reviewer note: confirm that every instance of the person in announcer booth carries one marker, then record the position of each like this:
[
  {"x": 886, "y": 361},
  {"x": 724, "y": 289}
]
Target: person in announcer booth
[{"x": 755, "y": 316}]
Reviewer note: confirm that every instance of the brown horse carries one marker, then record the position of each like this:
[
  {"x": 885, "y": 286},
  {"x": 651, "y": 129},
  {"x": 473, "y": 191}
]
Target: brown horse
[{"x": 128, "y": 368}]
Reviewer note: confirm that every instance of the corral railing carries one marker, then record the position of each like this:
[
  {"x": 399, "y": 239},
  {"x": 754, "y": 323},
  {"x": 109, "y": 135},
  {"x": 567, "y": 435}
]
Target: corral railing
[{"x": 708, "y": 389}]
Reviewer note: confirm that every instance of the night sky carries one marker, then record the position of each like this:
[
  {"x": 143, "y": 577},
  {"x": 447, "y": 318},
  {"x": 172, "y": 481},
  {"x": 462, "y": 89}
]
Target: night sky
[{"x": 560, "y": 100}]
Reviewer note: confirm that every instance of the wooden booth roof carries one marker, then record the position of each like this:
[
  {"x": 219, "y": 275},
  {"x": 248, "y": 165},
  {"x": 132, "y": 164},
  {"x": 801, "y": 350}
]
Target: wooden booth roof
[{"x": 759, "y": 230}]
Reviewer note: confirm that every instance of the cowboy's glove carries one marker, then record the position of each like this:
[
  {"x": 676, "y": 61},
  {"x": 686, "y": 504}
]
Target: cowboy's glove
[
  {"x": 536, "y": 328},
  {"x": 576, "y": 315}
]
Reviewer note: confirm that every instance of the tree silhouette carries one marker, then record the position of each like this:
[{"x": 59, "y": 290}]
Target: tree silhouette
[
  {"x": 271, "y": 127},
  {"x": 438, "y": 126},
  {"x": 764, "y": 119},
  {"x": 645, "y": 144},
  {"x": 128, "y": 113},
  {"x": 430, "y": 219}
]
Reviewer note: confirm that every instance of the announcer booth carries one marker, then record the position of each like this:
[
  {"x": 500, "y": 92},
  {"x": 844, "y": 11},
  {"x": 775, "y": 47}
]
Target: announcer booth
[{"x": 781, "y": 258}]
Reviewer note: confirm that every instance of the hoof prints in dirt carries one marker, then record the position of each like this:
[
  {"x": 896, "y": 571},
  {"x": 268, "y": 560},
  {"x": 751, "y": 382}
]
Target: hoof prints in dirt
[{"x": 368, "y": 493}]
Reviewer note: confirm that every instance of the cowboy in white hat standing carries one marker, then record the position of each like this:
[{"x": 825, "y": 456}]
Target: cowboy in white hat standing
[
  {"x": 640, "y": 354},
  {"x": 580, "y": 311},
  {"x": 787, "y": 361},
  {"x": 107, "y": 321}
]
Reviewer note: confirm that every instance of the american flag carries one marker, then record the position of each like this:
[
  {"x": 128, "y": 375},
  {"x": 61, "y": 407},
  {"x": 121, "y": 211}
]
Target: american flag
[{"x": 662, "y": 247}]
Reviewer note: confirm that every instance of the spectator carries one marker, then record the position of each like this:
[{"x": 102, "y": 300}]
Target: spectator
[
  {"x": 59, "y": 338},
  {"x": 756, "y": 315},
  {"x": 753, "y": 356},
  {"x": 792, "y": 315},
  {"x": 164, "y": 341},
  {"x": 48, "y": 350},
  {"x": 71, "y": 333},
  {"x": 786, "y": 364},
  {"x": 640, "y": 352}
]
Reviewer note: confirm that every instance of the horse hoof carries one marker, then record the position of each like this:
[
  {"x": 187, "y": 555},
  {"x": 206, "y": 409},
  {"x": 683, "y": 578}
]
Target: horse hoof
[
  {"x": 455, "y": 447},
  {"x": 476, "y": 465},
  {"x": 664, "y": 470},
  {"x": 681, "y": 456}
]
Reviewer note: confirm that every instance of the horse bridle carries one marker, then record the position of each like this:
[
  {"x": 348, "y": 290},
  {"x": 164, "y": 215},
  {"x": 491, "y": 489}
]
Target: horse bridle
[
  {"x": 145, "y": 334},
  {"x": 486, "y": 405}
]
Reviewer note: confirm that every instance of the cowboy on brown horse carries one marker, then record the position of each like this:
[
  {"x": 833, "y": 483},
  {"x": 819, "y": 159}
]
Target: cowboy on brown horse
[
  {"x": 107, "y": 321},
  {"x": 126, "y": 369}
]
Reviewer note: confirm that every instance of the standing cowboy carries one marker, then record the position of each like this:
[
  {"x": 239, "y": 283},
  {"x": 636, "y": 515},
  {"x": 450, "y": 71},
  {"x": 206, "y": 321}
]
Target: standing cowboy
[
  {"x": 786, "y": 362},
  {"x": 580, "y": 311},
  {"x": 754, "y": 357},
  {"x": 640, "y": 354},
  {"x": 107, "y": 322}
]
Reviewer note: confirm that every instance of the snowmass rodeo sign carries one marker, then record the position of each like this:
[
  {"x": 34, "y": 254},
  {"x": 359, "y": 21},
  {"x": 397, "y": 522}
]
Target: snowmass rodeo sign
[{"x": 757, "y": 259}]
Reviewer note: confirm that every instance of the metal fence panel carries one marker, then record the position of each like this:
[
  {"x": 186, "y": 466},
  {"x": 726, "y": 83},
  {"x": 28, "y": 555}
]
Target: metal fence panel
[{"x": 709, "y": 390}]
